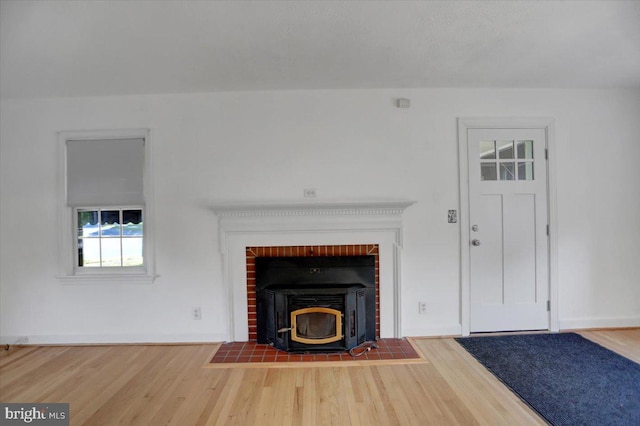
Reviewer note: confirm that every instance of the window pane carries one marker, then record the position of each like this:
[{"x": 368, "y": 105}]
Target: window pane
[
  {"x": 88, "y": 223},
  {"x": 132, "y": 216},
  {"x": 110, "y": 223},
  {"x": 524, "y": 149},
  {"x": 525, "y": 171},
  {"x": 80, "y": 253},
  {"x": 505, "y": 149},
  {"x": 132, "y": 222},
  {"x": 90, "y": 249},
  {"x": 110, "y": 251},
  {"x": 488, "y": 171},
  {"x": 103, "y": 241},
  {"x": 88, "y": 217},
  {"x": 132, "y": 252},
  {"x": 507, "y": 171},
  {"x": 487, "y": 150}
]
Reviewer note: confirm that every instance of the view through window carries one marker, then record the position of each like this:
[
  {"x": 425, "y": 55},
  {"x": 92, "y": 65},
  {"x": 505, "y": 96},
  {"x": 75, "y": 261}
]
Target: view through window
[{"x": 110, "y": 237}]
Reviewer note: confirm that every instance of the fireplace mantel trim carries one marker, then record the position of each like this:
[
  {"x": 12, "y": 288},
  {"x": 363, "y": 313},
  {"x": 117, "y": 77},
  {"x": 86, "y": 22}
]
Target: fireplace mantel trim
[
  {"x": 311, "y": 208},
  {"x": 290, "y": 217},
  {"x": 311, "y": 223}
]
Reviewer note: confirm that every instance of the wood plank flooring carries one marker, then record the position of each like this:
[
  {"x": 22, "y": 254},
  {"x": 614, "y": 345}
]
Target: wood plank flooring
[{"x": 158, "y": 385}]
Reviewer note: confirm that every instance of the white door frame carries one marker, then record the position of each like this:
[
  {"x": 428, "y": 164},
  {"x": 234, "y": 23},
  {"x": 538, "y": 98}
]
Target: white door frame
[{"x": 464, "y": 125}]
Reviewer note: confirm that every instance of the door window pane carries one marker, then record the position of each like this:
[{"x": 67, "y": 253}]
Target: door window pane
[
  {"x": 487, "y": 150},
  {"x": 488, "y": 171},
  {"x": 524, "y": 149},
  {"x": 507, "y": 171},
  {"x": 525, "y": 170},
  {"x": 498, "y": 160},
  {"x": 505, "y": 149}
]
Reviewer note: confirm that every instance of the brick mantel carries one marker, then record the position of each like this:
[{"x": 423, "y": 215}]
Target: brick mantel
[{"x": 243, "y": 225}]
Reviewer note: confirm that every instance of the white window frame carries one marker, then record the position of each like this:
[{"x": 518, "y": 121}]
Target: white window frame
[{"x": 69, "y": 271}]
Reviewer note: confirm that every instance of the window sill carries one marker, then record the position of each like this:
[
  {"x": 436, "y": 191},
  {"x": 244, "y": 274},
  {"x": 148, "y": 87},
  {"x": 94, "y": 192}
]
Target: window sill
[{"x": 107, "y": 279}]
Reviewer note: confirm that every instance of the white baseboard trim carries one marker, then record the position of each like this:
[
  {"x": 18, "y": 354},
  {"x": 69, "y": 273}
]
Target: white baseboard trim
[
  {"x": 14, "y": 340},
  {"x": 578, "y": 323},
  {"x": 444, "y": 330},
  {"x": 96, "y": 339}
]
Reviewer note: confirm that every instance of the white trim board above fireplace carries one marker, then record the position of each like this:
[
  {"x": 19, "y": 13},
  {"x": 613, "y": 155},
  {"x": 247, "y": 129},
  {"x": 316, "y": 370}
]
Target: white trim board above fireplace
[{"x": 243, "y": 225}]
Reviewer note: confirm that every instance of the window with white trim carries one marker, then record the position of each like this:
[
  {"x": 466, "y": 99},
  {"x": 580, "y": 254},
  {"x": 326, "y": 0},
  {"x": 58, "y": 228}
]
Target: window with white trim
[
  {"x": 111, "y": 237},
  {"x": 105, "y": 205}
]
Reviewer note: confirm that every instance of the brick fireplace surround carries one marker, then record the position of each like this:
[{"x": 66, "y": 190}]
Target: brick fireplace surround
[{"x": 304, "y": 251}]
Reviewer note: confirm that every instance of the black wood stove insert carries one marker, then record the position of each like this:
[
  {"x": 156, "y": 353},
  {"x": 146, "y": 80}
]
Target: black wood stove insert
[{"x": 316, "y": 304}]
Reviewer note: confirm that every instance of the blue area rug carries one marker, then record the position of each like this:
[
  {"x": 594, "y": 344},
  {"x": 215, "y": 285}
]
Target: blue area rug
[{"x": 567, "y": 379}]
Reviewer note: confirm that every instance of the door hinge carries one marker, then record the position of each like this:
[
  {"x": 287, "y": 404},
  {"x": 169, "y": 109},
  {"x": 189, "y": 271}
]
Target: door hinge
[
  {"x": 548, "y": 230},
  {"x": 548, "y": 305},
  {"x": 546, "y": 153}
]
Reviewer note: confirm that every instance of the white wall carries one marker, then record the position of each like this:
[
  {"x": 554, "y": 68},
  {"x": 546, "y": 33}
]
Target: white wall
[{"x": 347, "y": 144}]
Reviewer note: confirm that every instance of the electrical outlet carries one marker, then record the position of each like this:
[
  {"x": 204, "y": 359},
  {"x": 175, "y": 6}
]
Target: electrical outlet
[
  {"x": 310, "y": 193},
  {"x": 422, "y": 307},
  {"x": 196, "y": 313}
]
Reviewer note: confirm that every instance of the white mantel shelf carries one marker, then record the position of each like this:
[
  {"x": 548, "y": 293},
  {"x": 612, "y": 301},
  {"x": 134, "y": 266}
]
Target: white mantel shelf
[
  {"x": 313, "y": 208},
  {"x": 312, "y": 216}
]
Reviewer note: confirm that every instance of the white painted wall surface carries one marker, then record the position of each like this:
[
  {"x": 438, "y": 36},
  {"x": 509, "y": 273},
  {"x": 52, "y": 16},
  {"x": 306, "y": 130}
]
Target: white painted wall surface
[{"x": 252, "y": 146}]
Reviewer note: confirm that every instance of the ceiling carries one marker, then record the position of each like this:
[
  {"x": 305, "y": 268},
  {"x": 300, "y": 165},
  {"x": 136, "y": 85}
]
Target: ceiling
[{"x": 97, "y": 48}]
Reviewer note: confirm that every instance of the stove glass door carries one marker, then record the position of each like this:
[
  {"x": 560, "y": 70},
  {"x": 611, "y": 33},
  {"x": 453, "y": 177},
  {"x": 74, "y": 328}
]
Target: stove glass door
[{"x": 316, "y": 325}]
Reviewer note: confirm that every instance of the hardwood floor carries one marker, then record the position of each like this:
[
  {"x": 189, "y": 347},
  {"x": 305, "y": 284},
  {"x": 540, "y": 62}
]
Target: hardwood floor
[{"x": 157, "y": 385}]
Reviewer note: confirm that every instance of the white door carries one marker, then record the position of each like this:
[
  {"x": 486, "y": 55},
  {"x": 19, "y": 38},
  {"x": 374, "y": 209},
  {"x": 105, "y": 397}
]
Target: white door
[{"x": 508, "y": 281}]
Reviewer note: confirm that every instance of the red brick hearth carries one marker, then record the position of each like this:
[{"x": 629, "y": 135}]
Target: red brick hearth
[
  {"x": 243, "y": 353},
  {"x": 304, "y": 251}
]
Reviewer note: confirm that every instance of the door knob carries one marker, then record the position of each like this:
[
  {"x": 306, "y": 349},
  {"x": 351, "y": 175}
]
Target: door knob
[{"x": 475, "y": 242}]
